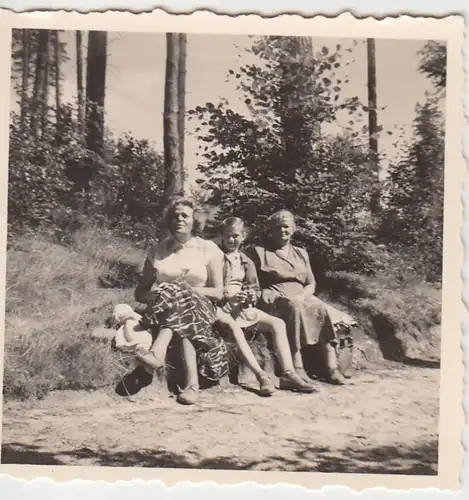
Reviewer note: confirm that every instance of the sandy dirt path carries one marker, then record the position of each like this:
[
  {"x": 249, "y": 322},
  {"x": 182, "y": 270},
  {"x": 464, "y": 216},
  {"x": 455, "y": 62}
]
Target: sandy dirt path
[{"x": 384, "y": 422}]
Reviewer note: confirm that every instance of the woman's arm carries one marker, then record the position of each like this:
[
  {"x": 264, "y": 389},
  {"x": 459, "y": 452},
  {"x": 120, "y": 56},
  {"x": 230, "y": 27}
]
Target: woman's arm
[
  {"x": 310, "y": 284},
  {"x": 214, "y": 288},
  {"x": 147, "y": 278}
]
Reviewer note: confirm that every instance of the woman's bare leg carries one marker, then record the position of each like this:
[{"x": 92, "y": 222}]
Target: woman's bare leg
[
  {"x": 190, "y": 394},
  {"x": 332, "y": 363},
  {"x": 189, "y": 357},
  {"x": 331, "y": 357},
  {"x": 154, "y": 359},
  {"x": 160, "y": 346}
]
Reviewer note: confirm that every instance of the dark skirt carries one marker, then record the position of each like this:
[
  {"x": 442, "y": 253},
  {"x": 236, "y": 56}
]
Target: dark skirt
[
  {"x": 308, "y": 320},
  {"x": 191, "y": 316}
]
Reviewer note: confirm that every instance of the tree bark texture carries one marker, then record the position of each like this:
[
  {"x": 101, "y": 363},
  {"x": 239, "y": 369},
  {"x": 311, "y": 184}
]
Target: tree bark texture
[
  {"x": 173, "y": 185},
  {"x": 96, "y": 90},
  {"x": 46, "y": 87},
  {"x": 58, "y": 89},
  {"x": 182, "y": 101},
  {"x": 40, "y": 81},
  {"x": 25, "y": 78},
  {"x": 373, "y": 123},
  {"x": 80, "y": 94}
]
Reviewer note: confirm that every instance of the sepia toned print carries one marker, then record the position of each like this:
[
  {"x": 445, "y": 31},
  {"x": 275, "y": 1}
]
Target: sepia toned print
[{"x": 231, "y": 250}]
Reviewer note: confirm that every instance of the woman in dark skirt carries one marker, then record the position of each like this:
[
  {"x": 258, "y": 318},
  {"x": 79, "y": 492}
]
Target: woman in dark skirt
[{"x": 288, "y": 288}]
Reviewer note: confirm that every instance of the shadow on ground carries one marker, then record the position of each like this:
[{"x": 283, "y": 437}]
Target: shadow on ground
[{"x": 421, "y": 460}]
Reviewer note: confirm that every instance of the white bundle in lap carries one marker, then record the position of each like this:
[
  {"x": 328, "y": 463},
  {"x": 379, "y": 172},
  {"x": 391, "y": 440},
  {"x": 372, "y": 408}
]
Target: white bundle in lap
[{"x": 130, "y": 335}]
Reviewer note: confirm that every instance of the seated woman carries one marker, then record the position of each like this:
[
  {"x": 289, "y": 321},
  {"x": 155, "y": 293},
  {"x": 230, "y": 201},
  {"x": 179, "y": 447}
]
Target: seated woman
[
  {"x": 181, "y": 282},
  {"x": 241, "y": 292},
  {"x": 288, "y": 288}
]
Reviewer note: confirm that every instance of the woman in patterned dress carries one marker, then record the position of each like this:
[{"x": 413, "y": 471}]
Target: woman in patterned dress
[
  {"x": 181, "y": 282},
  {"x": 288, "y": 288}
]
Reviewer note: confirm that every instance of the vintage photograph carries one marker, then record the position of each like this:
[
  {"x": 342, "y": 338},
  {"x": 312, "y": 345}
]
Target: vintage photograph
[{"x": 224, "y": 251}]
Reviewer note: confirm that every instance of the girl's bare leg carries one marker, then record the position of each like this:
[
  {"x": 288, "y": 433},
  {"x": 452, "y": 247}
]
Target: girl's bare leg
[
  {"x": 276, "y": 327},
  {"x": 241, "y": 342},
  {"x": 298, "y": 360},
  {"x": 289, "y": 379},
  {"x": 266, "y": 387}
]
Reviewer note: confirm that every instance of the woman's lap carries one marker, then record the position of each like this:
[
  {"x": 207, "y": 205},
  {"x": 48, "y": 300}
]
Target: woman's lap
[
  {"x": 307, "y": 321},
  {"x": 191, "y": 316}
]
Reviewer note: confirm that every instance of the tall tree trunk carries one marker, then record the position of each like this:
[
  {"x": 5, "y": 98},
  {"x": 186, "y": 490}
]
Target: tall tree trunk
[
  {"x": 58, "y": 90},
  {"x": 182, "y": 101},
  {"x": 373, "y": 124},
  {"x": 173, "y": 185},
  {"x": 80, "y": 95},
  {"x": 46, "y": 88},
  {"x": 37, "y": 111},
  {"x": 96, "y": 90},
  {"x": 24, "y": 78},
  {"x": 298, "y": 131}
]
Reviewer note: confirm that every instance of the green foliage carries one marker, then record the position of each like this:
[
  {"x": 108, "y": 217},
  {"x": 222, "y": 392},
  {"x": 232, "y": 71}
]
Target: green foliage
[
  {"x": 129, "y": 192},
  {"x": 54, "y": 180},
  {"x": 38, "y": 184},
  {"x": 433, "y": 63},
  {"x": 277, "y": 156},
  {"x": 413, "y": 222}
]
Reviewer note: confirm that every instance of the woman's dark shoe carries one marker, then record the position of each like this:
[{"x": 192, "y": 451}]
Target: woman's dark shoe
[
  {"x": 291, "y": 381},
  {"x": 301, "y": 372},
  {"x": 336, "y": 377},
  {"x": 266, "y": 388},
  {"x": 133, "y": 382},
  {"x": 189, "y": 396}
]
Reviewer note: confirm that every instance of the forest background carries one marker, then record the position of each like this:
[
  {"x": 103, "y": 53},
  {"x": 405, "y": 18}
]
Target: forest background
[{"x": 85, "y": 200}]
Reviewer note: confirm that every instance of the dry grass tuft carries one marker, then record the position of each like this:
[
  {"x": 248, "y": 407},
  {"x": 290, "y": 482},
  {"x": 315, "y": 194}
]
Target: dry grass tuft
[{"x": 56, "y": 294}]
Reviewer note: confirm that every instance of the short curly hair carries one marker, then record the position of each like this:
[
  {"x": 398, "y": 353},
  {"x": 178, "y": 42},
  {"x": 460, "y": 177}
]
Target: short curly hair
[
  {"x": 199, "y": 215},
  {"x": 276, "y": 217}
]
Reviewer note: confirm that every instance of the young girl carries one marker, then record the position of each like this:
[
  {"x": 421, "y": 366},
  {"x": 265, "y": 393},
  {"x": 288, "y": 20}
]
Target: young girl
[{"x": 240, "y": 294}]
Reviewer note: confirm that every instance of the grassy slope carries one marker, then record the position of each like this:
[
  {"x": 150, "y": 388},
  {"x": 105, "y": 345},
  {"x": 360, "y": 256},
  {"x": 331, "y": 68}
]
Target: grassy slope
[{"x": 57, "y": 293}]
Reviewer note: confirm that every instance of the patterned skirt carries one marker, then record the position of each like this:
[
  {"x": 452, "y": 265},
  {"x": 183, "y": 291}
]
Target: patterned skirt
[{"x": 190, "y": 315}]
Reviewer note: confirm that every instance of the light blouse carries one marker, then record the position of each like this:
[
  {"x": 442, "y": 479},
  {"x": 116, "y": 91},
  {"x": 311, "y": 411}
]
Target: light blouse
[{"x": 172, "y": 260}]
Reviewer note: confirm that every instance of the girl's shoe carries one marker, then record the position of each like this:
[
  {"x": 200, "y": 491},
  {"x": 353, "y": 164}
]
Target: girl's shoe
[
  {"x": 266, "y": 388},
  {"x": 189, "y": 396},
  {"x": 336, "y": 377},
  {"x": 291, "y": 381},
  {"x": 301, "y": 372}
]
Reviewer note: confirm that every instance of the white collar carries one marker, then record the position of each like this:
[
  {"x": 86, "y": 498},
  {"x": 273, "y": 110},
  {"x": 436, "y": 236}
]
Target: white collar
[{"x": 233, "y": 256}]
